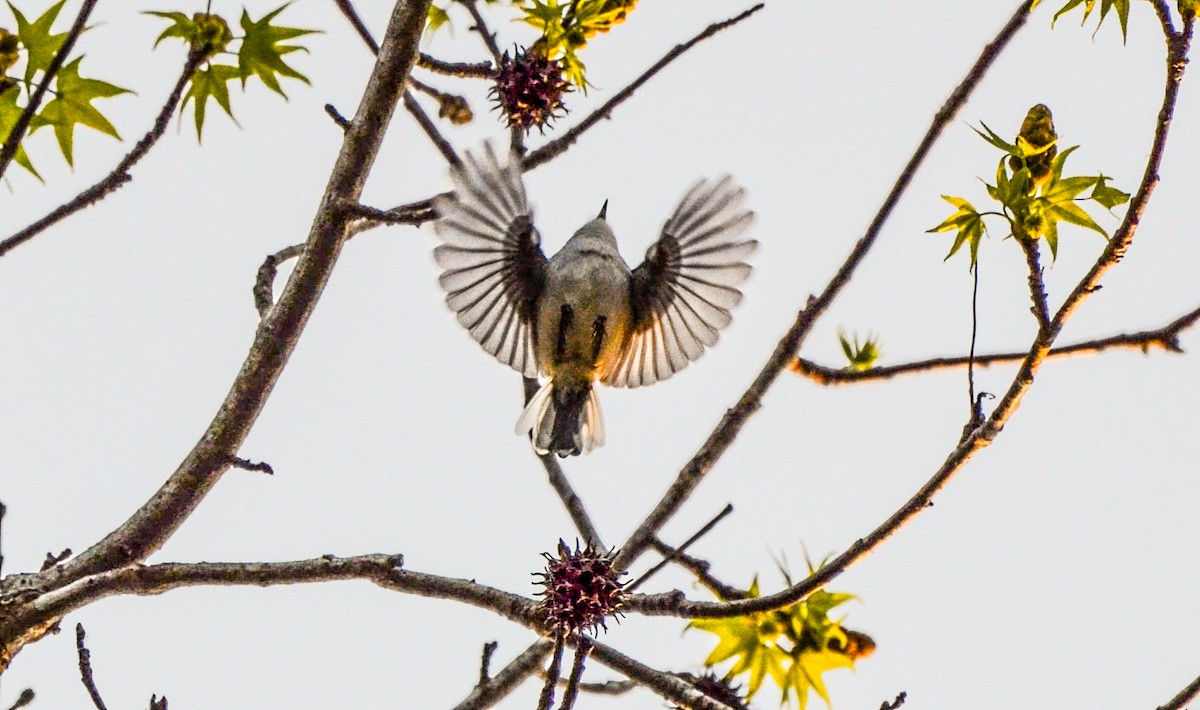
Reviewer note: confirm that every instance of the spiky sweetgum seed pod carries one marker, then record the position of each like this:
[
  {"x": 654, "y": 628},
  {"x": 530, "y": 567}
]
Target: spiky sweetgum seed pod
[
  {"x": 581, "y": 589},
  {"x": 717, "y": 688},
  {"x": 529, "y": 88}
]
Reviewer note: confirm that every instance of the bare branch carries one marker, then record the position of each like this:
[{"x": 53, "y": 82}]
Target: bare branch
[
  {"x": 895, "y": 704},
  {"x": 279, "y": 332},
  {"x": 546, "y": 699},
  {"x": 516, "y": 133},
  {"x": 248, "y": 465},
  {"x": 431, "y": 130},
  {"x": 485, "y": 695},
  {"x": 120, "y": 174},
  {"x": 700, "y": 568},
  {"x": 485, "y": 660},
  {"x": 478, "y": 70},
  {"x": 356, "y": 22},
  {"x": 676, "y": 604},
  {"x": 669, "y": 686},
  {"x": 704, "y": 530},
  {"x": 9, "y": 150},
  {"x": 1185, "y": 696},
  {"x": 1037, "y": 284},
  {"x": 559, "y": 145},
  {"x": 1166, "y": 337},
  {"x": 582, "y": 649},
  {"x": 342, "y": 122},
  {"x": 25, "y": 698},
  {"x": 733, "y": 421},
  {"x": 85, "y": 668},
  {"x": 53, "y": 559}
]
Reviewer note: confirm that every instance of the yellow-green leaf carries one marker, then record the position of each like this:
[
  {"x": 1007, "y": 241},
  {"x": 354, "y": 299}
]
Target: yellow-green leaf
[
  {"x": 39, "y": 42},
  {"x": 9, "y": 113},
  {"x": 72, "y": 105},
  {"x": 261, "y": 53},
  {"x": 212, "y": 82}
]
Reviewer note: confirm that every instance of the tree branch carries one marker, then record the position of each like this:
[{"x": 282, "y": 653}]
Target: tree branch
[
  {"x": 1185, "y": 696},
  {"x": 13, "y": 141},
  {"x": 279, "y": 332},
  {"x": 1166, "y": 337},
  {"x": 85, "y": 668},
  {"x": 733, "y": 421},
  {"x": 120, "y": 174},
  {"x": 675, "y": 603},
  {"x": 559, "y": 145},
  {"x": 487, "y": 694},
  {"x": 669, "y": 686}
]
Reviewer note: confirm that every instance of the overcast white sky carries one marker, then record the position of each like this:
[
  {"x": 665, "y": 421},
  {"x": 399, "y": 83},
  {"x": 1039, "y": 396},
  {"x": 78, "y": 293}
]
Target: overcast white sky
[{"x": 1059, "y": 570}]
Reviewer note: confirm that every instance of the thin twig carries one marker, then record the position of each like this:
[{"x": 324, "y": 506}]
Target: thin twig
[
  {"x": 120, "y": 174},
  {"x": 25, "y": 698},
  {"x": 1185, "y": 696},
  {"x": 431, "y": 130},
  {"x": 356, "y": 22},
  {"x": 451, "y": 107},
  {"x": 676, "y": 604},
  {"x": 559, "y": 145},
  {"x": 700, "y": 568},
  {"x": 53, "y": 559},
  {"x": 895, "y": 704},
  {"x": 485, "y": 695},
  {"x": 582, "y": 649},
  {"x": 546, "y": 699},
  {"x": 704, "y": 530},
  {"x": 9, "y": 150},
  {"x": 85, "y": 668},
  {"x": 485, "y": 660},
  {"x": 248, "y": 465},
  {"x": 342, "y": 122},
  {"x": 475, "y": 70},
  {"x": 264, "y": 283},
  {"x": 1166, "y": 338},
  {"x": 671, "y": 687},
  {"x": 733, "y": 421}
]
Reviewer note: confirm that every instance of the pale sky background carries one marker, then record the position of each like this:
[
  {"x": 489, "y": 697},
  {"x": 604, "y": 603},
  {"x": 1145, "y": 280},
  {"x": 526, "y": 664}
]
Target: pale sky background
[{"x": 1059, "y": 570}]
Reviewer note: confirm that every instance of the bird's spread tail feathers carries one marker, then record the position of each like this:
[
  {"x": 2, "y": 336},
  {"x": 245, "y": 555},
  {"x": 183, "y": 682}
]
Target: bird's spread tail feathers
[{"x": 567, "y": 423}]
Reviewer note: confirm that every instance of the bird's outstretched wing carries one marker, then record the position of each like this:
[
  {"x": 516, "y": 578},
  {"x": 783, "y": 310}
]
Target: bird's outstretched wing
[
  {"x": 491, "y": 256},
  {"x": 683, "y": 292}
]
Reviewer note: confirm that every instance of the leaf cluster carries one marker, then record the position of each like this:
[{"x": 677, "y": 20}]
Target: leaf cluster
[
  {"x": 862, "y": 356},
  {"x": 1121, "y": 6},
  {"x": 260, "y": 53},
  {"x": 1032, "y": 195},
  {"x": 71, "y": 96},
  {"x": 567, "y": 27},
  {"x": 794, "y": 646}
]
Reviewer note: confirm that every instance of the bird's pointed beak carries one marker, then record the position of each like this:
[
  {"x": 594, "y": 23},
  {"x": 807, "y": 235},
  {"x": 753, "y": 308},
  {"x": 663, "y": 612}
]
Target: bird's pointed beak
[{"x": 603, "y": 211}]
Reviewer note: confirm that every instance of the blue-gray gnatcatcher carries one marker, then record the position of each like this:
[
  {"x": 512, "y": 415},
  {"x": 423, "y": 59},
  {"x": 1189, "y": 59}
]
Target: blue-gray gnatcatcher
[{"x": 582, "y": 315}]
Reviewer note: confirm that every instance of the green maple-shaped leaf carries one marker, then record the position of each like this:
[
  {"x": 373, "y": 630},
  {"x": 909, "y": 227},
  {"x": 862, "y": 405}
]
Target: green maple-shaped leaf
[
  {"x": 1121, "y": 6},
  {"x": 181, "y": 26},
  {"x": 436, "y": 18},
  {"x": 967, "y": 224},
  {"x": 212, "y": 82},
  {"x": 1057, "y": 204},
  {"x": 9, "y": 113},
  {"x": 807, "y": 670},
  {"x": 1106, "y": 195},
  {"x": 72, "y": 106},
  {"x": 751, "y": 640},
  {"x": 261, "y": 53},
  {"x": 39, "y": 42}
]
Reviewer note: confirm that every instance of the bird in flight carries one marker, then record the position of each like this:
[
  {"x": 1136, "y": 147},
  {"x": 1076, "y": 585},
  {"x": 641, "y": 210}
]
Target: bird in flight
[{"x": 582, "y": 315}]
